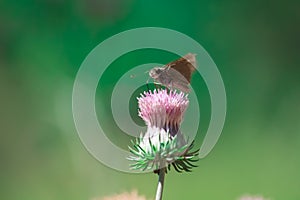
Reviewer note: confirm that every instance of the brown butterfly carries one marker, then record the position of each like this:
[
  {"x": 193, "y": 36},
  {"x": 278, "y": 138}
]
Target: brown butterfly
[{"x": 176, "y": 74}]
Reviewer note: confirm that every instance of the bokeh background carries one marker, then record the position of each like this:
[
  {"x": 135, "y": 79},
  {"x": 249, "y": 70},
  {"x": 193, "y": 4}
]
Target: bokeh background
[{"x": 254, "y": 43}]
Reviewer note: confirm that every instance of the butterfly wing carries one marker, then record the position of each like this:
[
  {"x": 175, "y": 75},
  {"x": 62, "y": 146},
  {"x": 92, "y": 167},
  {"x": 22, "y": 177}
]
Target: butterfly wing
[
  {"x": 176, "y": 80},
  {"x": 176, "y": 74},
  {"x": 185, "y": 65}
]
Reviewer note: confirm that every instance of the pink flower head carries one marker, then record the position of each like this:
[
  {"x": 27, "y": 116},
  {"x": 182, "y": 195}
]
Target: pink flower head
[
  {"x": 163, "y": 110},
  {"x": 163, "y": 144}
]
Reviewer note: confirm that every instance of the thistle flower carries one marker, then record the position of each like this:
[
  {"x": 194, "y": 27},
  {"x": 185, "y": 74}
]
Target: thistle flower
[{"x": 163, "y": 144}]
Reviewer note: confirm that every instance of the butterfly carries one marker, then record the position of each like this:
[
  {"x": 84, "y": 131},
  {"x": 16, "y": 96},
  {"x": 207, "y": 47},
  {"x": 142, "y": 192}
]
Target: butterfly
[{"x": 176, "y": 74}]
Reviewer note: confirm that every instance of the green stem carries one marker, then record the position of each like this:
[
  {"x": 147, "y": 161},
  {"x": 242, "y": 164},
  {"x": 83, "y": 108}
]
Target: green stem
[{"x": 160, "y": 185}]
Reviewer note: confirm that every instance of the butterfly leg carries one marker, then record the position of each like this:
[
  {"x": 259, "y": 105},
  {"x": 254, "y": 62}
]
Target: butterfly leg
[
  {"x": 147, "y": 84},
  {"x": 156, "y": 86},
  {"x": 170, "y": 87}
]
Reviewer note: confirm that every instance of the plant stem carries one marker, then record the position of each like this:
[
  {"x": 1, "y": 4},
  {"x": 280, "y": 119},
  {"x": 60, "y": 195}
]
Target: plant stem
[{"x": 160, "y": 185}]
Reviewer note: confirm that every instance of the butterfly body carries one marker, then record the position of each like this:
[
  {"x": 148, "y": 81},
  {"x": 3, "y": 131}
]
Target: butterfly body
[{"x": 176, "y": 74}]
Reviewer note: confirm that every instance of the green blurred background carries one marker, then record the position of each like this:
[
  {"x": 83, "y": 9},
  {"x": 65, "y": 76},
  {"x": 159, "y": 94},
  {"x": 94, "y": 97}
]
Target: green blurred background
[{"x": 255, "y": 44}]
